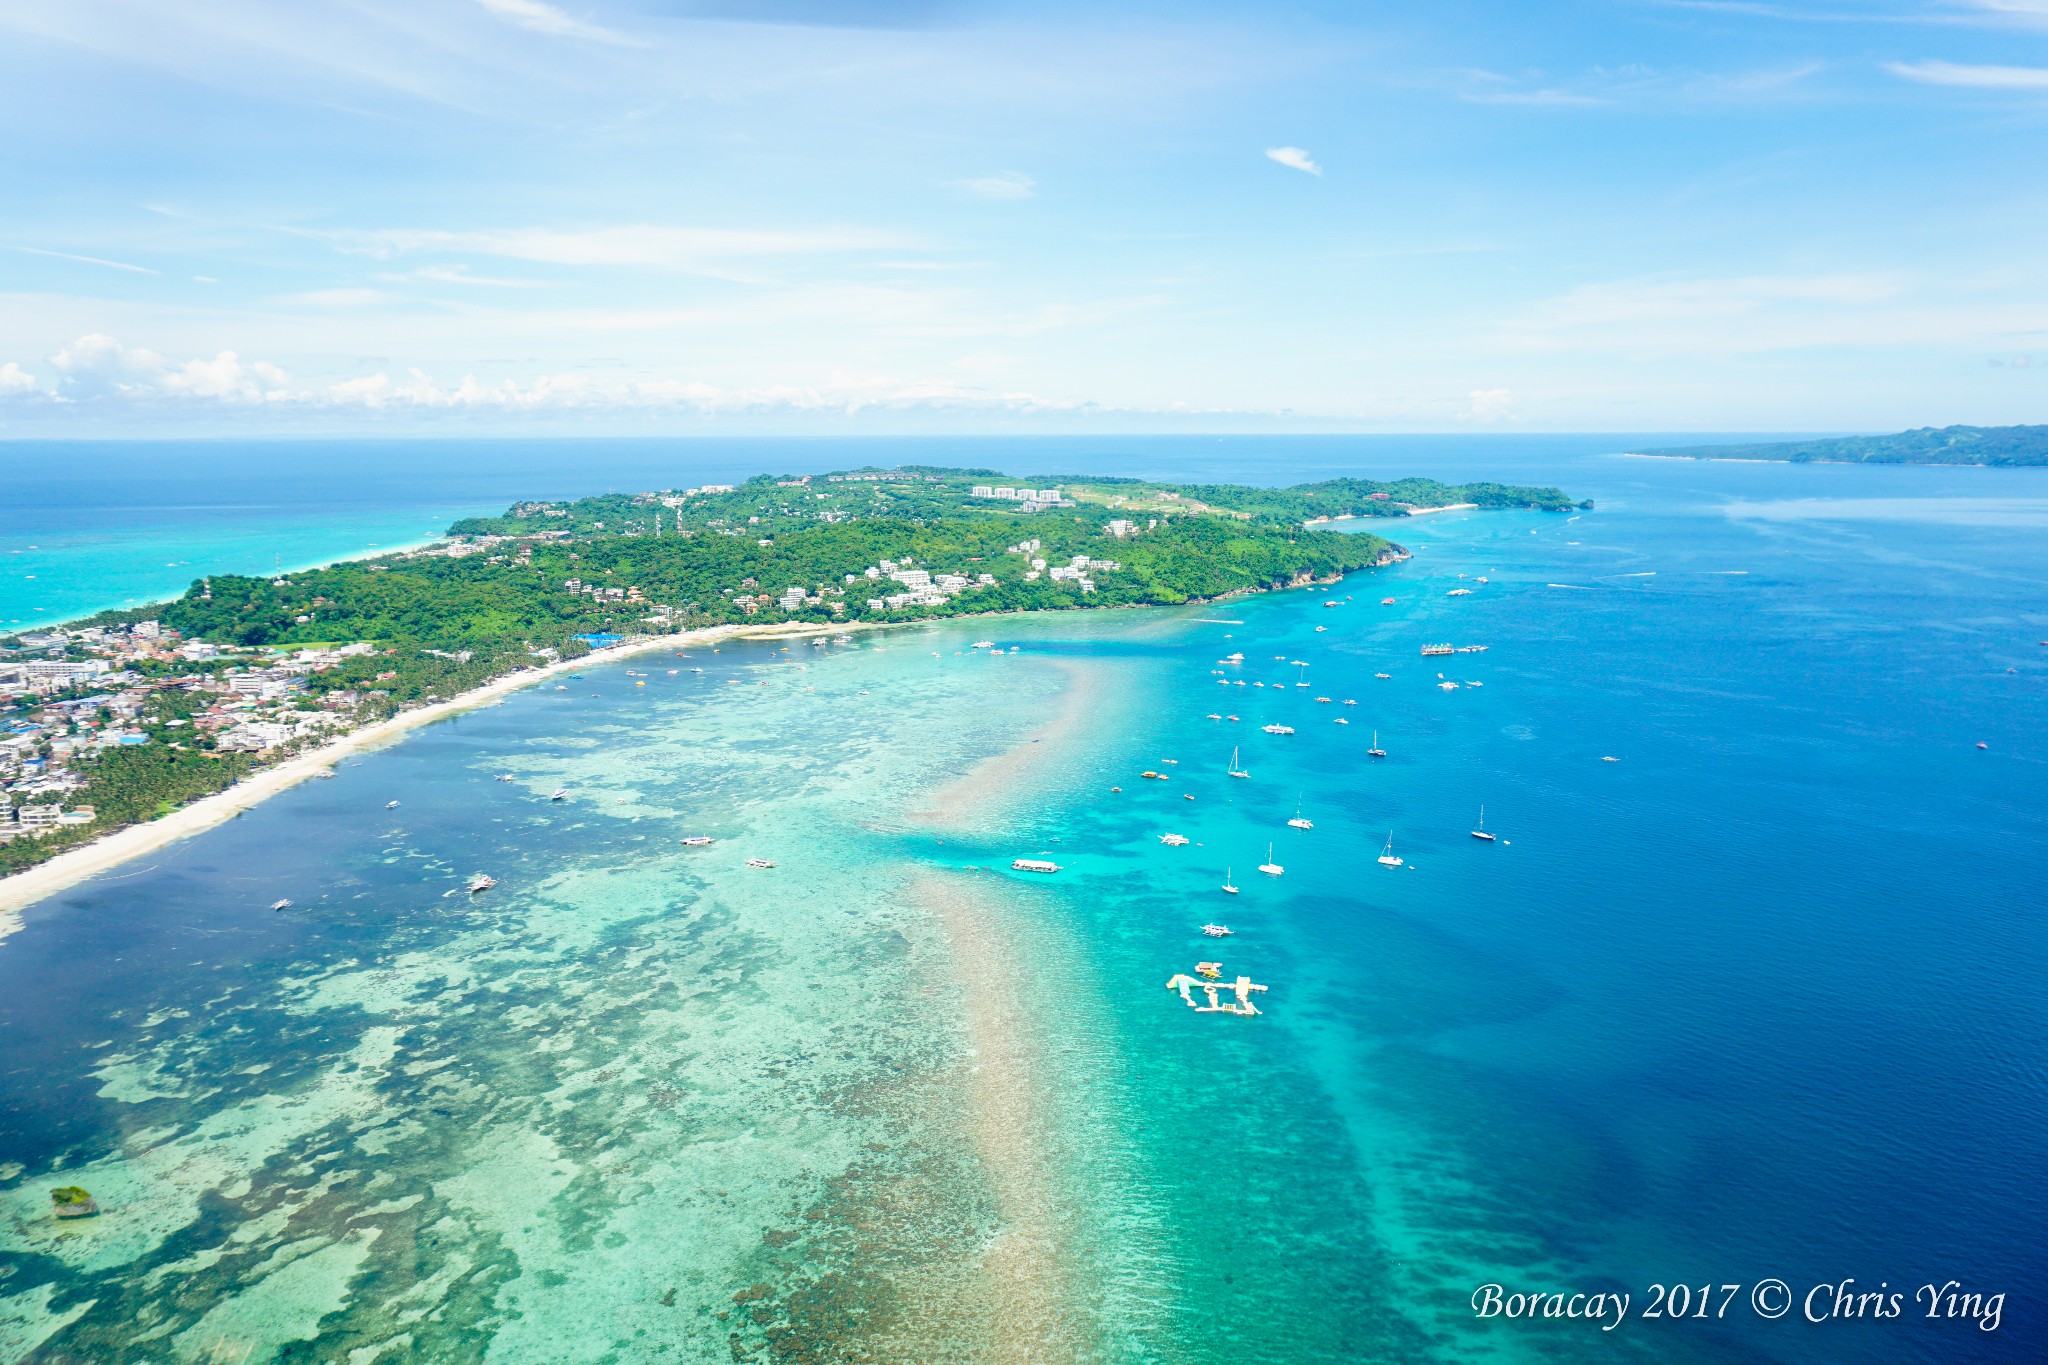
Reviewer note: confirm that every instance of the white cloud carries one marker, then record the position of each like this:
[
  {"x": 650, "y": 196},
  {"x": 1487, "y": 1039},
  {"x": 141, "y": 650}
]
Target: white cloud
[
  {"x": 1293, "y": 157},
  {"x": 1972, "y": 77},
  {"x": 99, "y": 367},
  {"x": 543, "y": 18},
  {"x": 84, "y": 260},
  {"x": 1489, "y": 405},
  {"x": 15, "y": 380},
  {"x": 1003, "y": 185},
  {"x": 699, "y": 250}
]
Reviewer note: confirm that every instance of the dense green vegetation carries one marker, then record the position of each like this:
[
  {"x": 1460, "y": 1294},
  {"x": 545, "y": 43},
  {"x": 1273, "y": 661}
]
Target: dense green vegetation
[
  {"x": 1922, "y": 445},
  {"x": 521, "y": 588}
]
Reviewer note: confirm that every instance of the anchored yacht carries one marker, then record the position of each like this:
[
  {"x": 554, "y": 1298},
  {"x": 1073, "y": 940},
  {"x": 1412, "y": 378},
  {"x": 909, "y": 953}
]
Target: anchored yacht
[
  {"x": 1387, "y": 858},
  {"x": 1480, "y": 833},
  {"x": 1269, "y": 867}
]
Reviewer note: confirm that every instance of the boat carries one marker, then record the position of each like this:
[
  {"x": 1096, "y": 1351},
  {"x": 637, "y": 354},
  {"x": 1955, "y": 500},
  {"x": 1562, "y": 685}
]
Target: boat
[
  {"x": 1387, "y": 859},
  {"x": 983, "y": 644},
  {"x": 1342, "y": 721},
  {"x": 1235, "y": 770},
  {"x": 1480, "y": 579},
  {"x": 1609, "y": 758},
  {"x": 559, "y": 794},
  {"x": 1480, "y": 833},
  {"x": 1321, "y": 629},
  {"x": 1459, "y": 592},
  {"x": 1325, "y": 701},
  {"x": 1229, "y": 885},
  {"x": 1438, "y": 649},
  {"x": 1230, "y": 718},
  {"x": 504, "y": 777},
  {"x": 1173, "y": 840},
  {"x": 480, "y": 882},
  {"x": 1386, "y": 601},
  {"x": 1383, "y": 675},
  {"x": 1213, "y": 715},
  {"x": 1299, "y": 821},
  {"x": 1033, "y": 865},
  {"x": 1269, "y": 867},
  {"x": 1333, "y": 604},
  {"x": 323, "y": 772},
  {"x": 1212, "y": 970},
  {"x": 696, "y": 840},
  {"x": 1217, "y": 930},
  {"x": 281, "y": 903},
  {"x": 1448, "y": 686},
  {"x": 1163, "y": 777},
  {"x": 759, "y": 862},
  {"x": 1376, "y": 751},
  {"x": 1349, "y": 702},
  {"x": 390, "y": 805},
  {"x": 1148, "y": 773},
  {"x": 1278, "y": 729}
]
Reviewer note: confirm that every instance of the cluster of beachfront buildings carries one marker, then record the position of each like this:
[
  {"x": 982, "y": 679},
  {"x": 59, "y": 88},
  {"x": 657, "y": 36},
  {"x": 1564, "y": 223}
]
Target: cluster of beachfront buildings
[
  {"x": 1027, "y": 499},
  {"x": 66, "y": 695}
]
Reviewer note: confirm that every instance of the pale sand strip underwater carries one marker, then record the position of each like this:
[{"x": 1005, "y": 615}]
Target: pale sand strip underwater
[
  {"x": 103, "y": 854},
  {"x": 979, "y": 794}
]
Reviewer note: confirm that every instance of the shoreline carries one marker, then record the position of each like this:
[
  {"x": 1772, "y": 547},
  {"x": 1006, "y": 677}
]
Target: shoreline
[{"x": 23, "y": 889}]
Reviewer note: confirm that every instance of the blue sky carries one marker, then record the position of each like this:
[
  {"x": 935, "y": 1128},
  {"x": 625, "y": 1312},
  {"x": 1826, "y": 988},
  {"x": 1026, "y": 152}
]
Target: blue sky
[{"x": 809, "y": 215}]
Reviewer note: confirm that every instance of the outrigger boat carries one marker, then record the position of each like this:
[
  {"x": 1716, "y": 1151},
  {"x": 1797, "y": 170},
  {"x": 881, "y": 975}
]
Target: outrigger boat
[
  {"x": 1217, "y": 930},
  {"x": 696, "y": 840}
]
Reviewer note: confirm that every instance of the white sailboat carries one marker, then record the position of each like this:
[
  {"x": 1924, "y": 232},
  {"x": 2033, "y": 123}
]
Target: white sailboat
[
  {"x": 1387, "y": 859},
  {"x": 1480, "y": 833},
  {"x": 1376, "y": 751},
  {"x": 1300, "y": 821},
  {"x": 1229, "y": 885},
  {"x": 1269, "y": 867},
  {"x": 1236, "y": 770}
]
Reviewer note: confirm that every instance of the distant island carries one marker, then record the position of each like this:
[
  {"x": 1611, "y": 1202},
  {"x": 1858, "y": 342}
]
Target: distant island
[
  {"x": 1922, "y": 445},
  {"x": 132, "y": 715}
]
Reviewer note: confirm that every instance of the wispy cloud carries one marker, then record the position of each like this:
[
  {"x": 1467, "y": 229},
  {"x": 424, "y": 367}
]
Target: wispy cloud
[
  {"x": 1489, "y": 405},
  {"x": 544, "y": 18},
  {"x": 85, "y": 260},
  {"x": 1293, "y": 157},
  {"x": 695, "y": 250},
  {"x": 1972, "y": 77},
  {"x": 1004, "y": 185},
  {"x": 457, "y": 274}
]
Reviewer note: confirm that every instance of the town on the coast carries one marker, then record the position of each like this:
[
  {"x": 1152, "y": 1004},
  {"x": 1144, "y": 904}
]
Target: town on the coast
[{"x": 133, "y": 713}]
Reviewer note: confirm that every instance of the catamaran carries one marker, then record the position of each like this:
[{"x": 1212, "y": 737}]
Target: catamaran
[
  {"x": 1235, "y": 769},
  {"x": 1299, "y": 821},
  {"x": 1173, "y": 840},
  {"x": 1387, "y": 859},
  {"x": 1481, "y": 833},
  {"x": 1376, "y": 751},
  {"x": 1269, "y": 867}
]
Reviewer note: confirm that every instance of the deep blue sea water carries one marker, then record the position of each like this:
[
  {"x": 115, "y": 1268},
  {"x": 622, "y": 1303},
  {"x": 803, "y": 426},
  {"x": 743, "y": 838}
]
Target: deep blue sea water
[{"x": 1762, "y": 998}]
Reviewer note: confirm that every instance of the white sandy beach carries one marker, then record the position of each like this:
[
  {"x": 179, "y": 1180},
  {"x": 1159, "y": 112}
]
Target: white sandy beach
[{"x": 103, "y": 854}]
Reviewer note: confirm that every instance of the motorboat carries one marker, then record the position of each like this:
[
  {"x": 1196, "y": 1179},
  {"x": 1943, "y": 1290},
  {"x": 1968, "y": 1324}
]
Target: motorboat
[
  {"x": 759, "y": 862},
  {"x": 390, "y": 805},
  {"x": 281, "y": 903},
  {"x": 1217, "y": 930},
  {"x": 559, "y": 794},
  {"x": 1278, "y": 729},
  {"x": 696, "y": 840}
]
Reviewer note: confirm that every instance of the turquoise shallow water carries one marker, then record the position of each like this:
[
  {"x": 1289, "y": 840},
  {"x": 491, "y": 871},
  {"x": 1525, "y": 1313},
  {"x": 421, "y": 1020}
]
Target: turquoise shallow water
[{"x": 1759, "y": 999}]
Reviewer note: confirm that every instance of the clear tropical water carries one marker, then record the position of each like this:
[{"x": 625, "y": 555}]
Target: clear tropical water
[{"x": 1761, "y": 998}]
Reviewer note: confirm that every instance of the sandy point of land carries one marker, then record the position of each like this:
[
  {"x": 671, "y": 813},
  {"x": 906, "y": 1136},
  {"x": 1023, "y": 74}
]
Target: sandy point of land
[
  {"x": 979, "y": 795},
  {"x": 69, "y": 868},
  {"x": 1019, "y": 1305},
  {"x": 1452, "y": 507}
]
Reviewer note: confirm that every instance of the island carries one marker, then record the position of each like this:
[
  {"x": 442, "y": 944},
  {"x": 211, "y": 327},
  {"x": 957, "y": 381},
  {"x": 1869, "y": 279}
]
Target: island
[
  {"x": 133, "y": 715},
  {"x": 2010, "y": 446}
]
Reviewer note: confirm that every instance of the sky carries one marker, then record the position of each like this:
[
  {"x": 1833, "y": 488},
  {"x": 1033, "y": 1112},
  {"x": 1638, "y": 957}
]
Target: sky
[{"x": 256, "y": 217}]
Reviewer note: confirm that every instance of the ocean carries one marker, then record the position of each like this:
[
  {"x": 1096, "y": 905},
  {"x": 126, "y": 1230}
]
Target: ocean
[{"x": 1757, "y": 1000}]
